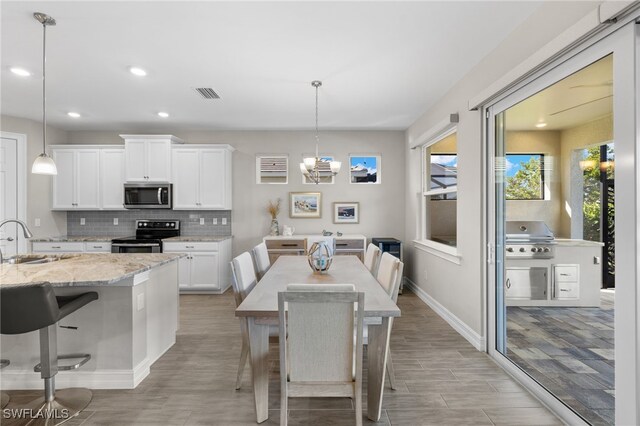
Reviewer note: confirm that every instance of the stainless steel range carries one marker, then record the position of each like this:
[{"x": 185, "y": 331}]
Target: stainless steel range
[
  {"x": 531, "y": 239},
  {"x": 148, "y": 238}
]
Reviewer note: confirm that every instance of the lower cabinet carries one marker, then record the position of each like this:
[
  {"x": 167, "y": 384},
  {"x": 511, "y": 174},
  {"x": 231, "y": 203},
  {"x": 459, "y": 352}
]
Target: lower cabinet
[
  {"x": 205, "y": 268},
  {"x": 71, "y": 247}
]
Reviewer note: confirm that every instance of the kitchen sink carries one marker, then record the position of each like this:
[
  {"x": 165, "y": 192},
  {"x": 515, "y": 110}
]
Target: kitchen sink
[{"x": 34, "y": 259}]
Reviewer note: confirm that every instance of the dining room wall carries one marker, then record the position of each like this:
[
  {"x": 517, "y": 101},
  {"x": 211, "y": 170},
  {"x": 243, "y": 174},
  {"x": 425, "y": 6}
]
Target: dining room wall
[{"x": 381, "y": 205}]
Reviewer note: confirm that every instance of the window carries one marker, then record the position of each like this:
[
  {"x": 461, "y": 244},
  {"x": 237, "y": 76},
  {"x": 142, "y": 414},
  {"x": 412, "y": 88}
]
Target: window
[
  {"x": 364, "y": 168},
  {"x": 524, "y": 174},
  {"x": 272, "y": 169},
  {"x": 440, "y": 189},
  {"x": 325, "y": 170}
]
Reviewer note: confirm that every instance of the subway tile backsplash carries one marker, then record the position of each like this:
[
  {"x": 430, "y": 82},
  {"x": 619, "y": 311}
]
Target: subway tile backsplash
[{"x": 100, "y": 223}]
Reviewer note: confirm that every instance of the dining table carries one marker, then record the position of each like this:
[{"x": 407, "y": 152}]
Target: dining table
[{"x": 260, "y": 310}]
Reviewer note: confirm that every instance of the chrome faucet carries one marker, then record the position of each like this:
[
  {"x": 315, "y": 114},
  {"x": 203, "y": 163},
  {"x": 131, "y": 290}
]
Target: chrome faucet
[{"x": 25, "y": 230}]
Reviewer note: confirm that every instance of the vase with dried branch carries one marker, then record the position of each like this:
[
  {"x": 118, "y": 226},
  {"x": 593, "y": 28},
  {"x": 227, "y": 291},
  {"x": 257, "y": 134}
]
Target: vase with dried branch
[{"x": 274, "y": 209}]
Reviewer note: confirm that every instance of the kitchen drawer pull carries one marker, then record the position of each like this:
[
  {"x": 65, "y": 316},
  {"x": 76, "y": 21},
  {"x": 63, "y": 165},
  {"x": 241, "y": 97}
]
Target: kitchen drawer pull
[
  {"x": 508, "y": 284},
  {"x": 289, "y": 245},
  {"x": 98, "y": 246},
  {"x": 56, "y": 247},
  {"x": 190, "y": 246},
  {"x": 341, "y": 244}
]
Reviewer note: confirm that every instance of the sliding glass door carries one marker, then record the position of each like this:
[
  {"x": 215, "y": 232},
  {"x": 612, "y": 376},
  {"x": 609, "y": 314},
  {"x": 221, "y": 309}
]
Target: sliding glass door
[{"x": 556, "y": 146}]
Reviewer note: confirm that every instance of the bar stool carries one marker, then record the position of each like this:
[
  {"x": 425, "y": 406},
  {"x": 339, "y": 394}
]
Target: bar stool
[
  {"x": 31, "y": 307},
  {"x": 5, "y": 396}
]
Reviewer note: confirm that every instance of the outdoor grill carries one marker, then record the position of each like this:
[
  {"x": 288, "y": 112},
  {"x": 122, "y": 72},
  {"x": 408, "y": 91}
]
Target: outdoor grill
[{"x": 529, "y": 239}]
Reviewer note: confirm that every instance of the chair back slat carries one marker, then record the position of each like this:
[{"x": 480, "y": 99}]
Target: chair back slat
[
  {"x": 320, "y": 327},
  {"x": 388, "y": 272},
  {"x": 261, "y": 258},
  {"x": 371, "y": 257},
  {"x": 244, "y": 276}
]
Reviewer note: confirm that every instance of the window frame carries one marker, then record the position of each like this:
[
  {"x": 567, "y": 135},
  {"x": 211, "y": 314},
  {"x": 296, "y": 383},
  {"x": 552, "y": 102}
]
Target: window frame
[
  {"x": 424, "y": 243},
  {"x": 378, "y": 158},
  {"x": 259, "y": 172},
  {"x": 543, "y": 176}
]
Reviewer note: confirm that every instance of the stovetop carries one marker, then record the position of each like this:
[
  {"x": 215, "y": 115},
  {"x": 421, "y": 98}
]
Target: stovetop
[{"x": 152, "y": 231}]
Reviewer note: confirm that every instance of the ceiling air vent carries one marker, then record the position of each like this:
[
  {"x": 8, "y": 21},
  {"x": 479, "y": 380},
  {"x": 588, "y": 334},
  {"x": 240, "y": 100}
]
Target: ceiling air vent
[{"x": 207, "y": 93}]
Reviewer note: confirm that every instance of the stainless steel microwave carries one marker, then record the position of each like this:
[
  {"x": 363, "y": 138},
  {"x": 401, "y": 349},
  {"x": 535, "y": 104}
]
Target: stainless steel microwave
[{"x": 147, "y": 196}]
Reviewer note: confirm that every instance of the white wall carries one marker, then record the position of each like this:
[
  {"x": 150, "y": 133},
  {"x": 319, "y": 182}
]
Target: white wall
[
  {"x": 381, "y": 206},
  {"x": 458, "y": 288},
  {"x": 38, "y": 186}
]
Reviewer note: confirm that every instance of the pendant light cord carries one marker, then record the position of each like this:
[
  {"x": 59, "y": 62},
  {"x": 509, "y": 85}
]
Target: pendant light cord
[
  {"x": 317, "y": 133},
  {"x": 44, "y": 88}
]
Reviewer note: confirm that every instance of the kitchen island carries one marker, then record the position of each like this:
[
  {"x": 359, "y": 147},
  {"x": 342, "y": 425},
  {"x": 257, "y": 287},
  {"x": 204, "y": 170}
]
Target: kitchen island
[{"x": 126, "y": 330}]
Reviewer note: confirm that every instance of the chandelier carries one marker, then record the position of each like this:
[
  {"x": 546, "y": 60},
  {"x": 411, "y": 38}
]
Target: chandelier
[{"x": 315, "y": 168}]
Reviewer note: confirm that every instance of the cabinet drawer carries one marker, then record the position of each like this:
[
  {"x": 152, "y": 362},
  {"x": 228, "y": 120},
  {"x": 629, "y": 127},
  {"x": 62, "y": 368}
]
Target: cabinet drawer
[
  {"x": 298, "y": 244},
  {"x": 97, "y": 247},
  {"x": 189, "y": 247},
  {"x": 566, "y": 273},
  {"x": 58, "y": 247},
  {"x": 349, "y": 244},
  {"x": 567, "y": 290}
]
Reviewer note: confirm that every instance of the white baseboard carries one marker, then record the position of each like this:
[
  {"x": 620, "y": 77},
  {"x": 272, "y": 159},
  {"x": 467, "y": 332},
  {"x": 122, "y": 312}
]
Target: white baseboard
[
  {"x": 104, "y": 379},
  {"x": 458, "y": 325}
]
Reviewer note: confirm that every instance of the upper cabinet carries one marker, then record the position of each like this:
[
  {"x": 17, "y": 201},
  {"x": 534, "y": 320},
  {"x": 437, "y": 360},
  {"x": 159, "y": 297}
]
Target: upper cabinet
[
  {"x": 148, "y": 157},
  {"x": 76, "y": 186},
  {"x": 90, "y": 177},
  {"x": 202, "y": 177}
]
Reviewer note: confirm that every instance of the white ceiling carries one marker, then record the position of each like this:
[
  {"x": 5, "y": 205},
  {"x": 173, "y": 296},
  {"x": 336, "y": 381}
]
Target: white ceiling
[
  {"x": 383, "y": 64},
  {"x": 580, "y": 98}
]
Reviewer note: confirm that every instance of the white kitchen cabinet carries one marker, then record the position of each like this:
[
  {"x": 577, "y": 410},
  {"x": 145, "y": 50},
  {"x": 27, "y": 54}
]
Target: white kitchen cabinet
[
  {"x": 112, "y": 179},
  {"x": 202, "y": 177},
  {"x": 148, "y": 157},
  {"x": 76, "y": 187},
  {"x": 205, "y": 269}
]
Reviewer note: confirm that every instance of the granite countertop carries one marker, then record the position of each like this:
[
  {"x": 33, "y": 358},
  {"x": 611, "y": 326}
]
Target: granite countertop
[
  {"x": 84, "y": 269},
  {"x": 577, "y": 243},
  {"x": 197, "y": 239},
  {"x": 73, "y": 239}
]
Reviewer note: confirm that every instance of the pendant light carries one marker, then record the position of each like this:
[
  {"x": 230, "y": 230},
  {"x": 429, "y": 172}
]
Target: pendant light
[
  {"x": 43, "y": 164},
  {"x": 310, "y": 167}
]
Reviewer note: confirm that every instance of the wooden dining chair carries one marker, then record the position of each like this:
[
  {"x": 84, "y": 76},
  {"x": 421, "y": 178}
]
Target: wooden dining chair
[
  {"x": 261, "y": 259},
  {"x": 244, "y": 280},
  {"x": 389, "y": 276},
  {"x": 371, "y": 257},
  {"x": 318, "y": 357}
]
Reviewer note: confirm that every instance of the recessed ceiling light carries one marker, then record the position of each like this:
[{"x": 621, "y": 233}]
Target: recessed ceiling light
[
  {"x": 163, "y": 114},
  {"x": 138, "y": 71},
  {"x": 73, "y": 114},
  {"x": 20, "y": 71},
  {"x": 541, "y": 125}
]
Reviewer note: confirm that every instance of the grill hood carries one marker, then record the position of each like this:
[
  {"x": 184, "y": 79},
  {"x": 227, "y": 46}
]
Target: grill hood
[{"x": 527, "y": 231}]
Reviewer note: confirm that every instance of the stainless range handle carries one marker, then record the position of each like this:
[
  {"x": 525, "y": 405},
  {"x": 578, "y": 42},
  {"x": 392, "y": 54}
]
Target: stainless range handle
[
  {"x": 136, "y": 245},
  {"x": 159, "y": 196}
]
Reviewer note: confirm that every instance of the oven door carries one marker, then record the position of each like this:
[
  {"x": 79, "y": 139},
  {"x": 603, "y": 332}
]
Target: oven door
[
  {"x": 135, "y": 248},
  {"x": 147, "y": 196}
]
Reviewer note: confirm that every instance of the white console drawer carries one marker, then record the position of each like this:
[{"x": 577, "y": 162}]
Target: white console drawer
[
  {"x": 58, "y": 247},
  {"x": 566, "y": 273},
  {"x": 189, "y": 247},
  {"x": 567, "y": 290},
  {"x": 97, "y": 247}
]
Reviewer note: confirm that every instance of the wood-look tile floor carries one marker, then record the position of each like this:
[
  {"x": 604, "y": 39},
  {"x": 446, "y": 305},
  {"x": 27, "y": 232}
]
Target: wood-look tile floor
[
  {"x": 570, "y": 351},
  {"x": 442, "y": 380}
]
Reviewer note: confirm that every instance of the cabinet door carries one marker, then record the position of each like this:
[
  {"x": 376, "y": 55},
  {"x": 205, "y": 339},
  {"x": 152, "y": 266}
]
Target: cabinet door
[
  {"x": 213, "y": 181},
  {"x": 87, "y": 179},
  {"x": 64, "y": 181},
  {"x": 135, "y": 161},
  {"x": 524, "y": 283},
  {"x": 185, "y": 178},
  {"x": 204, "y": 270},
  {"x": 112, "y": 179},
  {"x": 158, "y": 160}
]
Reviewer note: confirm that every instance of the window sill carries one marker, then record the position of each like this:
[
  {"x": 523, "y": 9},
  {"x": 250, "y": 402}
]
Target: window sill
[{"x": 442, "y": 251}]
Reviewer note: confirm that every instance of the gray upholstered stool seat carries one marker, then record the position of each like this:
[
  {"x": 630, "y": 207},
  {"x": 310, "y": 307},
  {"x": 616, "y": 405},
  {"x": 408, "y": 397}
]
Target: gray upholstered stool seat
[{"x": 26, "y": 308}]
